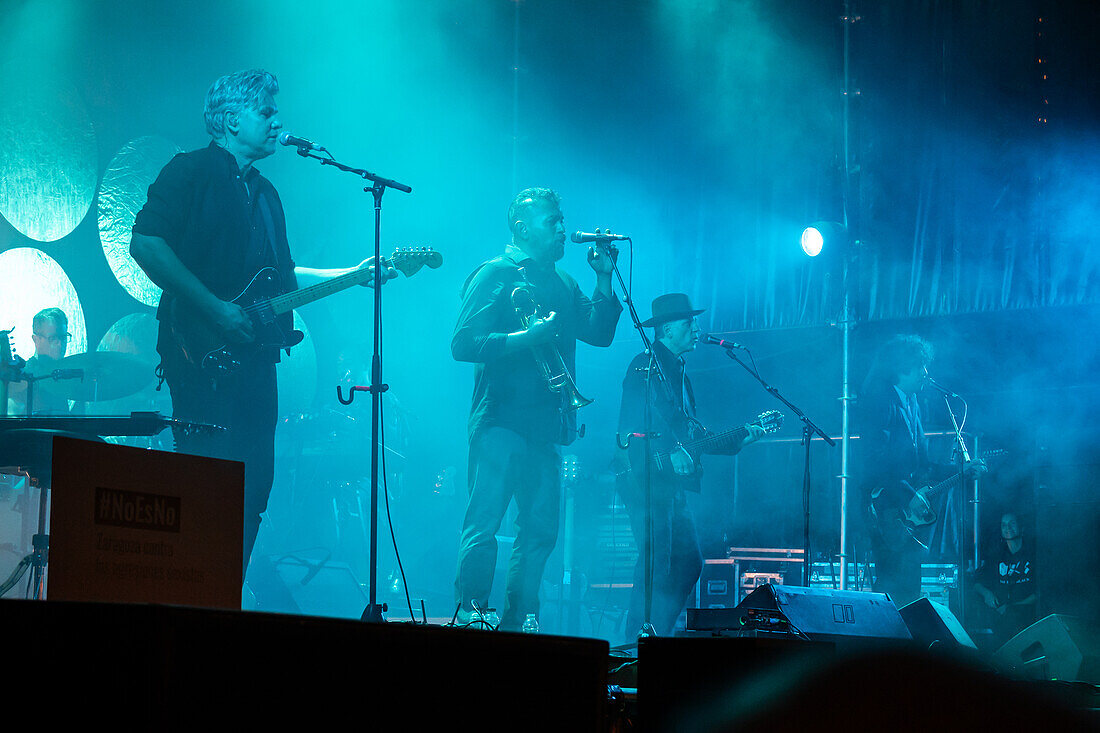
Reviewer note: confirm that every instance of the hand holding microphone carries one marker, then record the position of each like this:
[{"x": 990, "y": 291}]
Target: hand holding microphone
[{"x": 601, "y": 258}]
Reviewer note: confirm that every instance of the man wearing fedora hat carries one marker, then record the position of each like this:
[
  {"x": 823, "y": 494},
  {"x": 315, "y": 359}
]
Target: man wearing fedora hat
[{"x": 677, "y": 559}]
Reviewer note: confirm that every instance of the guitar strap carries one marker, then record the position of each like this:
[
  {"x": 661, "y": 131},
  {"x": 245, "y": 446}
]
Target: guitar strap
[
  {"x": 689, "y": 396},
  {"x": 269, "y": 226}
]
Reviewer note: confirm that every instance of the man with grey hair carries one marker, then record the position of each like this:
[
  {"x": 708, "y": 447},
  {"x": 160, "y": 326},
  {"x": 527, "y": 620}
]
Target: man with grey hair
[
  {"x": 516, "y": 420},
  {"x": 50, "y": 335},
  {"x": 211, "y": 222}
]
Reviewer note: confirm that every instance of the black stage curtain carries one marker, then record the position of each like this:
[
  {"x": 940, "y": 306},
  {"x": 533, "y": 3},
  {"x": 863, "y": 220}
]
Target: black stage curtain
[{"x": 973, "y": 184}]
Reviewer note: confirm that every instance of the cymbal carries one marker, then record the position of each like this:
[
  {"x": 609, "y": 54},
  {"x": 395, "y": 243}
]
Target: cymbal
[{"x": 108, "y": 375}]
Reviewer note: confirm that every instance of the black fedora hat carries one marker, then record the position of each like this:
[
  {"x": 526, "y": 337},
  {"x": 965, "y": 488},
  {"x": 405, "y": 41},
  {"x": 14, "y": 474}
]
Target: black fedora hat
[{"x": 671, "y": 307}]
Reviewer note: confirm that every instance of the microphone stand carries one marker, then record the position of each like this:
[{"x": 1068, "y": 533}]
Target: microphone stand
[
  {"x": 374, "y": 610},
  {"x": 964, "y": 459},
  {"x": 654, "y": 367},
  {"x": 809, "y": 429}
]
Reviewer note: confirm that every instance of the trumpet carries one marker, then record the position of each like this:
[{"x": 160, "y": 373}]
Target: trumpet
[{"x": 549, "y": 359}]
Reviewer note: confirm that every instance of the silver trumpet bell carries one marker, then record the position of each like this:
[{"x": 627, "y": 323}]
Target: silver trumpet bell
[{"x": 549, "y": 359}]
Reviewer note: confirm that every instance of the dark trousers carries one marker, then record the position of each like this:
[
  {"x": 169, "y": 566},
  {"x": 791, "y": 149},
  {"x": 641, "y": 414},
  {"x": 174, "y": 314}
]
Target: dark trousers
[
  {"x": 247, "y": 405},
  {"x": 897, "y": 572},
  {"x": 504, "y": 464},
  {"x": 677, "y": 559}
]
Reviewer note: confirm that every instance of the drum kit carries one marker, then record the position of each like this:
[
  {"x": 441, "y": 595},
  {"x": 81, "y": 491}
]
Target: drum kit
[{"x": 81, "y": 396}]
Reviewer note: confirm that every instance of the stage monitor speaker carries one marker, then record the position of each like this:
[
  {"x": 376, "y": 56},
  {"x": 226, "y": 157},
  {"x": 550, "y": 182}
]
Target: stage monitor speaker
[
  {"x": 1054, "y": 648},
  {"x": 931, "y": 623},
  {"x": 831, "y": 615}
]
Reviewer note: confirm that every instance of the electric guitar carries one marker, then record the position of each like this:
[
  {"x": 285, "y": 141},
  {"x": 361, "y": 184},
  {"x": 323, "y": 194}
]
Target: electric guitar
[
  {"x": 697, "y": 441},
  {"x": 10, "y": 365},
  {"x": 896, "y": 526},
  {"x": 269, "y": 309}
]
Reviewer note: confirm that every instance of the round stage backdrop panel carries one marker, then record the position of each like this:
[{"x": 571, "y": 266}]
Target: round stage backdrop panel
[
  {"x": 48, "y": 161},
  {"x": 31, "y": 280},
  {"x": 136, "y": 334},
  {"x": 122, "y": 193}
]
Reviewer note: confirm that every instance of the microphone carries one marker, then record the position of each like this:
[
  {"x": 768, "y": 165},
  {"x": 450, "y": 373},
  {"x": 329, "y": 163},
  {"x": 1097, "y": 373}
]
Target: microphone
[
  {"x": 708, "y": 339},
  {"x": 299, "y": 142},
  {"x": 932, "y": 383},
  {"x": 583, "y": 237}
]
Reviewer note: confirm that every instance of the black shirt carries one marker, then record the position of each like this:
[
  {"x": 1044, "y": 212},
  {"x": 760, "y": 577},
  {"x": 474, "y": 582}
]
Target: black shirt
[
  {"x": 671, "y": 408},
  {"x": 510, "y": 391},
  {"x": 1012, "y": 576},
  {"x": 223, "y": 226}
]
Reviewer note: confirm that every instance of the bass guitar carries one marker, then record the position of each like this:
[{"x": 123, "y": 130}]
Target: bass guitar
[
  {"x": 269, "y": 309},
  {"x": 896, "y": 526}
]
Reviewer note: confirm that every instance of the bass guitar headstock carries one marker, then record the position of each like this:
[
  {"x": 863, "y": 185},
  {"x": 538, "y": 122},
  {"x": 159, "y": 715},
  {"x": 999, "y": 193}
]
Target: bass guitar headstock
[
  {"x": 770, "y": 421},
  {"x": 409, "y": 260}
]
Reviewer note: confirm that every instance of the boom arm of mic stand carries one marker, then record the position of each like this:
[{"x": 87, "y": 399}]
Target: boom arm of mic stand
[
  {"x": 810, "y": 425},
  {"x": 808, "y": 430},
  {"x": 362, "y": 173}
]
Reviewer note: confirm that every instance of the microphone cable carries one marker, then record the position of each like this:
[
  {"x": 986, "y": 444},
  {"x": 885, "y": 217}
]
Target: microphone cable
[{"x": 385, "y": 478}]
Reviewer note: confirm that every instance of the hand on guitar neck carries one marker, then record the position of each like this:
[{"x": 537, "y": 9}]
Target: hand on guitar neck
[
  {"x": 308, "y": 276},
  {"x": 260, "y": 318},
  {"x": 233, "y": 322}
]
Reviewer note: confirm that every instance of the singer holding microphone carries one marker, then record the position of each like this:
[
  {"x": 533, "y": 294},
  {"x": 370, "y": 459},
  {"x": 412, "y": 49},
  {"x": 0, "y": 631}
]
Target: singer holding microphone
[
  {"x": 210, "y": 224},
  {"x": 517, "y": 422}
]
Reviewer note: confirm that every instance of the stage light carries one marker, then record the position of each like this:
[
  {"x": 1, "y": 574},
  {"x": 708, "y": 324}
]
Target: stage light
[
  {"x": 812, "y": 241},
  {"x": 821, "y": 236}
]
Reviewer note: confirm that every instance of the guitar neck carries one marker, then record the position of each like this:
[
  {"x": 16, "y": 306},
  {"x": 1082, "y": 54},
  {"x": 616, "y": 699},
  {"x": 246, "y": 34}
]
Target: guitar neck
[
  {"x": 947, "y": 483},
  {"x": 721, "y": 440},
  {"x": 297, "y": 298}
]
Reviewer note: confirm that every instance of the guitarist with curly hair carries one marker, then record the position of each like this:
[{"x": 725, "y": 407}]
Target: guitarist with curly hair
[{"x": 896, "y": 466}]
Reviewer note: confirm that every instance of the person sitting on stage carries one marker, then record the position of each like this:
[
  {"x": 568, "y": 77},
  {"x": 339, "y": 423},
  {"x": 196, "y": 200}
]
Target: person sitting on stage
[
  {"x": 210, "y": 224},
  {"x": 516, "y": 420},
  {"x": 1007, "y": 581},
  {"x": 677, "y": 559}
]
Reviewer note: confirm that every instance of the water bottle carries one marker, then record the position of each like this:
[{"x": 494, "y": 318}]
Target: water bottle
[{"x": 530, "y": 624}]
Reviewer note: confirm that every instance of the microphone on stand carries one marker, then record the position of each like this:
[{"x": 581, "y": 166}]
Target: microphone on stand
[
  {"x": 585, "y": 237},
  {"x": 709, "y": 339},
  {"x": 299, "y": 142},
  {"x": 932, "y": 383}
]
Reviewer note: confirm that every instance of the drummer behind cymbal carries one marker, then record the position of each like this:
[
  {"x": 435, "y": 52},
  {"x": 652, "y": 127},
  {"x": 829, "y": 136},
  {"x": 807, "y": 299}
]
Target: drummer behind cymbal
[{"x": 50, "y": 334}]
